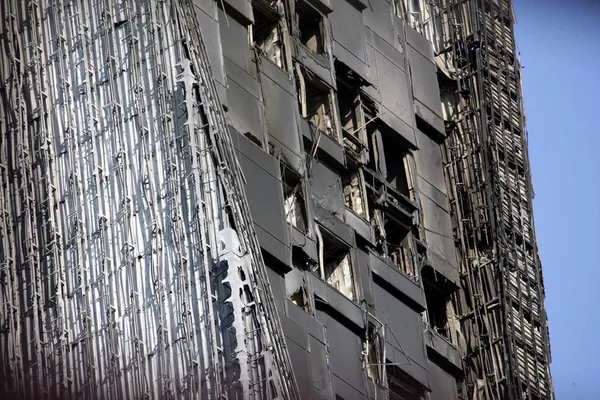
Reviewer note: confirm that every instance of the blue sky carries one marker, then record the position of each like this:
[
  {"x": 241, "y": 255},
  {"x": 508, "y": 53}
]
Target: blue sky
[{"x": 560, "y": 51}]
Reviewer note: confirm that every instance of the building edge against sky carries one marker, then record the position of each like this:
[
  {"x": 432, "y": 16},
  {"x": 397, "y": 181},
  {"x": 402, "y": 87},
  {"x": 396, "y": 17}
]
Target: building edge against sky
[{"x": 381, "y": 164}]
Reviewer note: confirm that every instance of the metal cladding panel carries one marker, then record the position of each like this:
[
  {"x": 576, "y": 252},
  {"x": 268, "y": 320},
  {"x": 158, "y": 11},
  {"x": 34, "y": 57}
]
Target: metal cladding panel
[
  {"x": 348, "y": 30},
  {"x": 344, "y": 353},
  {"x": 302, "y": 370},
  {"x": 210, "y": 28},
  {"x": 378, "y": 17},
  {"x": 320, "y": 369},
  {"x": 243, "y": 7},
  {"x": 398, "y": 281},
  {"x": 265, "y": 196},
  {"x": 244, "y": 110},
  {"x": 419, "y": 43},
  {"x": 277, "y": 283},
  {"x": 438, "y": 227},
  {"x": 429, "y": 163},
  {"x": 326, "y": 188},
  {"x": 395, "y": 96},
  {"x": 404, "y": 327},
  {"x": 234, "y": 38},
  {"x": 425, "y": 85},
  {"x": 443, "y": 385},
  {"x": 281, "y": 109}
]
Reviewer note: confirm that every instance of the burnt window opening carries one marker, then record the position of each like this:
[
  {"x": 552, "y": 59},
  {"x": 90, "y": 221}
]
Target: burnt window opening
[
  {"x": 437, "y": 308},
  {"x": 296, "y": 288},
  {"x": 315, "y": 102},
  {"x": 266, "y": 32},
  {"x": 355, "y": 194},
  {"x": 293, "y": 197},
  {"x": 395, "y": 152},
  {"x": 402, "y": 386},
  {"x": 373, "y": 351},
  {"x": 311, "y": 25},
  {"x": 352, "y": 121},
  {"x": 401, "y": 248},
  {"x": 337, "y": 264}
]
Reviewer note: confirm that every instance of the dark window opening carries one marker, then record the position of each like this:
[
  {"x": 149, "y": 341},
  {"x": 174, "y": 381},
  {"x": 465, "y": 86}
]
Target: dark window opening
[
  {"x": 354, "y": 194},
  {"x": 295, "y": 286},
  {"x": 266, "y": 32},
  {"x": 401, "y": 248},
  {"x": 437, "y": 310},
  {"x": 395, "y": 154},
  {"x": 293, "y": 197},
  {"x": 311, "y": 26},
  {"x": 374, "y": 354},
  {"x": 337, "y": 265},
  {"x": 315, "y": 103}
]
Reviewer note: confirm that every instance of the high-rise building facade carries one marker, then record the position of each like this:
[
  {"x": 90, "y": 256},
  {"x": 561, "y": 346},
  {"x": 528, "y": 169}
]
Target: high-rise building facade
[{"x": 287, "y": 199}]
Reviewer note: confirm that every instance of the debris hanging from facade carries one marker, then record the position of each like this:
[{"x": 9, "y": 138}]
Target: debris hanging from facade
[{"x": 251, "y": 199}]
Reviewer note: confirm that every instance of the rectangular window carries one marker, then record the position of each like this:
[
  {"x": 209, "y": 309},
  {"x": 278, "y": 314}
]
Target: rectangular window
[
  {"x": 266, "y": 32},
  {"x": 311, "y": 27},
  {"x": 293, "y": 197},
  {"x": 437, "y": 309},
  {"x": 354, "y": 194},
  {"x": 315, "y": 102},
  {"x": 337, "y": 264}
]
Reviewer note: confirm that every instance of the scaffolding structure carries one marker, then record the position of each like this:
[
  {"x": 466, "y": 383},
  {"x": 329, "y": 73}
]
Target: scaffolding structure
[
  {"x": 503, "y": 323},
  {"x": 130, "y": 267}
]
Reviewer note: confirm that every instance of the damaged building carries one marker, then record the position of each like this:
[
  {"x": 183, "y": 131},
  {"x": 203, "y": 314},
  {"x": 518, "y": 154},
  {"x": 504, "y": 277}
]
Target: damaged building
[{"x": 252, "y": 199}]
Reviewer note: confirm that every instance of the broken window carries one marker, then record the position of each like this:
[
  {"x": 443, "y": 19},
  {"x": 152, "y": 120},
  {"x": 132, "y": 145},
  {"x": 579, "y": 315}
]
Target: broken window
[
  {"x": 437, "y": 308},
  {"x": 296, "y": 288},
  {"x": 336, "y": 265},
  {"x": 311, "y": 27},
  {"x": 354, "y": 194},
  {"x": 293, "y": 195},
  {"x": 352, "y": 121},
  {"x": 374, "y": 354},
  {"x": 394, "y": 152},
  {"x": 266, "y": 31},
  {"x": 401, "y": 247},
  {"x": 315, "y": 103}
]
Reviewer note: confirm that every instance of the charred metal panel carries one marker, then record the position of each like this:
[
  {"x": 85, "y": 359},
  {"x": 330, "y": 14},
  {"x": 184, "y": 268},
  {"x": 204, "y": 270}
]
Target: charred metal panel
[
  {"x": 327, "y": 146},
  {"x": 360, "y": 225},
  {"x": 236, "y": 47},
  {"x": 245, "y": 110},
  {"x": 398, "y": 281},
  {"x": 277, "y": 283},
  {"x": 281, "y": 109},
  {"x": 210, "y": 28},
  {"x": 242, "y": 8},
  {"x": 443, "y": 385},
  {"x": 326, "y": 188},
  {"x": 444, "y": 349},
  {"x": 318, "y": 64},
  {"x": 429, "y": 166},
  {"x": 404, "y": 333},
  {"x": 428, "y": 104},
  {"x": 345, "y": 353},
  {"x": 331, "y": 299},
  {"x": 395, "y": 98},
  {"x": 320, "y": 369},
  {"x": 439, "y": 238},
  {"x": 348, "y": 31},
  {"x": 420, "y": 43},
  {"x": 378, "y": 17},
  {"x": 265, "y": 197}
]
